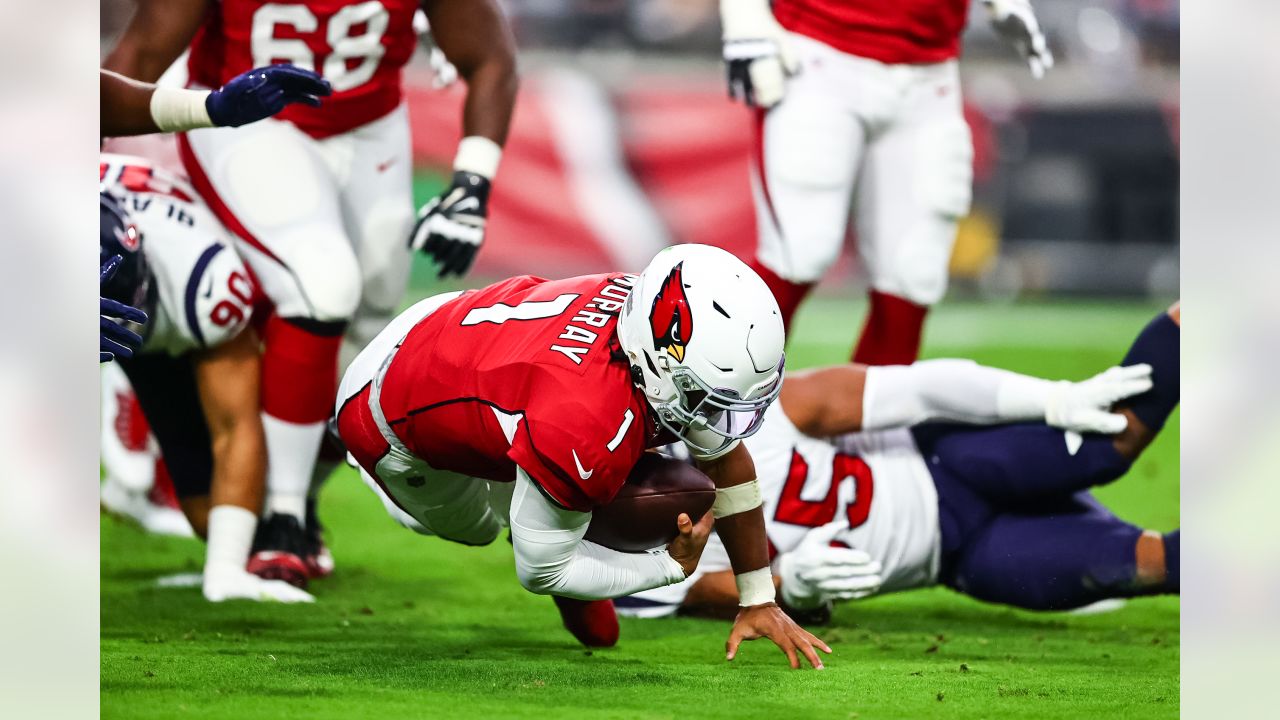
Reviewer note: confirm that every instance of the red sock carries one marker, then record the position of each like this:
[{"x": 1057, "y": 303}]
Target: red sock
[
  {"x": 299, "y": 370},
  {"x": 593, "y": 622},
  {"x": 891, "y": 335},
  {"x": 788, "y": 294}
]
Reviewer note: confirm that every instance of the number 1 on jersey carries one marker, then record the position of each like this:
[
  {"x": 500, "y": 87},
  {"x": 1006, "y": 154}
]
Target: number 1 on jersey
[{"x": 527, "y": 310}]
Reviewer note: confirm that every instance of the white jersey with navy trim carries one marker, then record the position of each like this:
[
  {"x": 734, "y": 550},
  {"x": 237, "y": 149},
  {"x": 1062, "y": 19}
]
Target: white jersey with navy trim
[
  {"x": 878, "y": 481},
  {"x": 204, "y": 294}
]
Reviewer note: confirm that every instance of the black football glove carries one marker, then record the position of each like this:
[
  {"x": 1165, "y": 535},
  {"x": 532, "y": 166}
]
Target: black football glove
[{"x": 450, "y": 228}]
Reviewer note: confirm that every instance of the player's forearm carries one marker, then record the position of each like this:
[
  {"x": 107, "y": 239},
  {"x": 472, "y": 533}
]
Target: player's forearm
[
  {"x": 491, "y": 99},
  {"x": 714, "y": 595},
  {"x": 156, "y": 35},
  {"x": 553, "y": 559},
  {"x": 124, "y": 106},
  {"x": 739, "y": 516},
  {"x": 955, "y": 390}
]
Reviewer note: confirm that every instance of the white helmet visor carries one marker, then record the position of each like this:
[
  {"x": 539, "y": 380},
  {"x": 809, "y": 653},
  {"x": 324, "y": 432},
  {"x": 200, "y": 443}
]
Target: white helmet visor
[{"x": 700, "y": 408}]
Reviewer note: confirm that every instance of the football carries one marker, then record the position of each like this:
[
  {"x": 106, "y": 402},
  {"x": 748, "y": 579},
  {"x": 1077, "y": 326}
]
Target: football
[{"x": 643, "y": 514}]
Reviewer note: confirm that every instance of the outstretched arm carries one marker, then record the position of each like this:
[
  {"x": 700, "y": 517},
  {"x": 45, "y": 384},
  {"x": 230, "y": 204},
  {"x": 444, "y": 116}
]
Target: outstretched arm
[
  {"x": 475, "y": 38},
  {"x": 848, "y": 398},
  {"x": 740, "y": 522}
]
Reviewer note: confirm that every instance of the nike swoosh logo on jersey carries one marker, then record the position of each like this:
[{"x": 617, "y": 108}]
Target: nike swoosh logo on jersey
[
  {"x": 584, "y": 474},
  {"x": 208, "y": 293},
  {"x": 382, "y": 166}
]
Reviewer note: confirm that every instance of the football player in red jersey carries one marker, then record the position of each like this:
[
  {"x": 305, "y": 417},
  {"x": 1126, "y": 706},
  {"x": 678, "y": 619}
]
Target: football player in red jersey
[
  {"x": 527, "y": 403},
  {"x": 319, "y": 198},
  {"x": 860, "y": 111}
]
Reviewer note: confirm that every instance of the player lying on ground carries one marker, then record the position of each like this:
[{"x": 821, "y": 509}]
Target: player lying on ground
[
  {"x": 129, "y": 107},
  {"x": 864, "y": 498},
  {"x": 320, "y": 199},
  {"x": 197, "y": 372},
  {"x": 528, "y": 403}
]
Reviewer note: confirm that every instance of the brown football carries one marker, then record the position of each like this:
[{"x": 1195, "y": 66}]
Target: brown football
[{"x": 643, "y": 513}]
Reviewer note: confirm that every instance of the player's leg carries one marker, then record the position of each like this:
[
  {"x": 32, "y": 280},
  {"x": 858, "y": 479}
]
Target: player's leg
[
  {"x": 134, "y": 485},
  {"x": 374, "y": 165},
  {"x": 378, "y": 213},
  {"x": 166, "y": 391},
  {"x": 1065, "y": 556},
  {"x": 803, "y": 172},
  {"x": 1020, "y": 463},
  {"x": 1158, "y": 346},
  {"x": 915, "y": 187},
  {"x": 269, "y": 185}
]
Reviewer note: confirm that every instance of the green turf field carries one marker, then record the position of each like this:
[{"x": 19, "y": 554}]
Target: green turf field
[{"x": 416, "y": 627}]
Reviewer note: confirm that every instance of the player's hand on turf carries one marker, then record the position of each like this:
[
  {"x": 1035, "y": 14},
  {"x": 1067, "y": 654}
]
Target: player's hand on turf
[
  {"x": 769, "y": 621},
  {"x": 757, "y": 54},
  {"x": 450, "y": 228},
  {"x": 1085, "y": 406},
  {"x": 687, "y": 548},
  {"x": 1015, "y": 21},
  {"x": 262, "y": 92},
  {"x": 237, "y": 584},
  {"x": 115, "y": 339},
  {"x": 815, "y": 573}
]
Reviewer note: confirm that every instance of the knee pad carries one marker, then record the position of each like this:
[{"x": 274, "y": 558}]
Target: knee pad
[{"x": 327, "y": 277}]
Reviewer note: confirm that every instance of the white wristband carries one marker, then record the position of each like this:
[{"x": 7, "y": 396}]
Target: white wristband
[
  {"x": 478, "y": 155},
  {"x": 736, "y": 499},
  {"x": 755, "y": 587},
  {"x": 178, "y": 109}
]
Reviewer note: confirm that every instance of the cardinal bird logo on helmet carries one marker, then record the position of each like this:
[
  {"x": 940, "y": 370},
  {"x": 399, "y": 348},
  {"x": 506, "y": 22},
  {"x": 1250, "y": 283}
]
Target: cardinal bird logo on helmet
[{"x": 671, "y": 319}]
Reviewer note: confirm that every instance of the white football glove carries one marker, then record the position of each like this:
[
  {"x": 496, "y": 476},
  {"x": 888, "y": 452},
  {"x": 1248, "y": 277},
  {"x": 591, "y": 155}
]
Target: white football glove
[
  {"x": 1085, "y": 406},
  {"x": 815, "y": 573},
  {"x": 757, "y": 54},
  {"x": 232, "y": 583},
  {"x": 443, "y": 73},
  {"x": 1015, "y": 21},
  {"x": 450, "y": 227}
]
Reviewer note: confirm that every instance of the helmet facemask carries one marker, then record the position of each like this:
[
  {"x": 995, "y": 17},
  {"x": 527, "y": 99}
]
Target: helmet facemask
[{"x": 700, "y": 413}]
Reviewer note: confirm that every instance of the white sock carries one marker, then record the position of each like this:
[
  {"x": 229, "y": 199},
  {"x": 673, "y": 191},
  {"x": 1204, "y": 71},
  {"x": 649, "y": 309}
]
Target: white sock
[
  {"x": 231, "y": 531},
  {"x": 291, "y": 459}
]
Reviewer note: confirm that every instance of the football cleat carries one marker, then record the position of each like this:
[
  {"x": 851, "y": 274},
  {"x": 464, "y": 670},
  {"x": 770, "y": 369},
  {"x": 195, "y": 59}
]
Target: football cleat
[
  {"x": 159, "y": 518},
  {"x": 317, "y": 556},
  {"x": 593, "y": 622},
  {"x": 278, "y": 550}
]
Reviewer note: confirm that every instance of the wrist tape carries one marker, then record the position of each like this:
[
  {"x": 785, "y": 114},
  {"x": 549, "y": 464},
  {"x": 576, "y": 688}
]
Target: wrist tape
[
  {"x": 736, "y": 499},
  {"x": 478, "y": 155},
  {"x": 178, "y": 109},
  {"x": 755, "y": 587}
]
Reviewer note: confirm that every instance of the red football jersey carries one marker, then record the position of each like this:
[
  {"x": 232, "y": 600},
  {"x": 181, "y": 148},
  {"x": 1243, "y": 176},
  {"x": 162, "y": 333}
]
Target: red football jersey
[
  {"x": 525, "y": 373},
  {"x": 891, "y": 31},
  {"x": 359, "y": 47}
]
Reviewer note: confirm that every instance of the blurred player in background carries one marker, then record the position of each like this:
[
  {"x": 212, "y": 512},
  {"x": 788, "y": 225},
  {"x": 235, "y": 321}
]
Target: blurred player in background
[
  {"x": 860, "y": 110},
  {"x": 863, "y": 497},
  {"x": 196, "y": 375},
  {"x": 319, "y": 199},
  {"x": 527, "y": 403}
]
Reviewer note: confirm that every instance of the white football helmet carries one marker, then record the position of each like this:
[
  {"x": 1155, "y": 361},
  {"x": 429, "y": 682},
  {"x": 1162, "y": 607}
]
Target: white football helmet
[{"x": 705, "y": 340}]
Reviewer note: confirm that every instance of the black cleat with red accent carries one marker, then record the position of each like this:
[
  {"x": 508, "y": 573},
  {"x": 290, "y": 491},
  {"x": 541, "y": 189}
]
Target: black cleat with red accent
[{"x": 278, "y": 550}]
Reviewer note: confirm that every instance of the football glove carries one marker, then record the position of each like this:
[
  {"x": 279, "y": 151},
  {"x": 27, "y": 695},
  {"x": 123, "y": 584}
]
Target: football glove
[
  {"x": 450, "y": 228},
  {"x": 115, "y": 339},
  {"x": 1085, "y": 406},
  {"x": 757, "y": 54},
  {"x": 262, "y": 92},
  {"x": 816, "y": 573},
  {"x": 1015, "y": 21}
]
